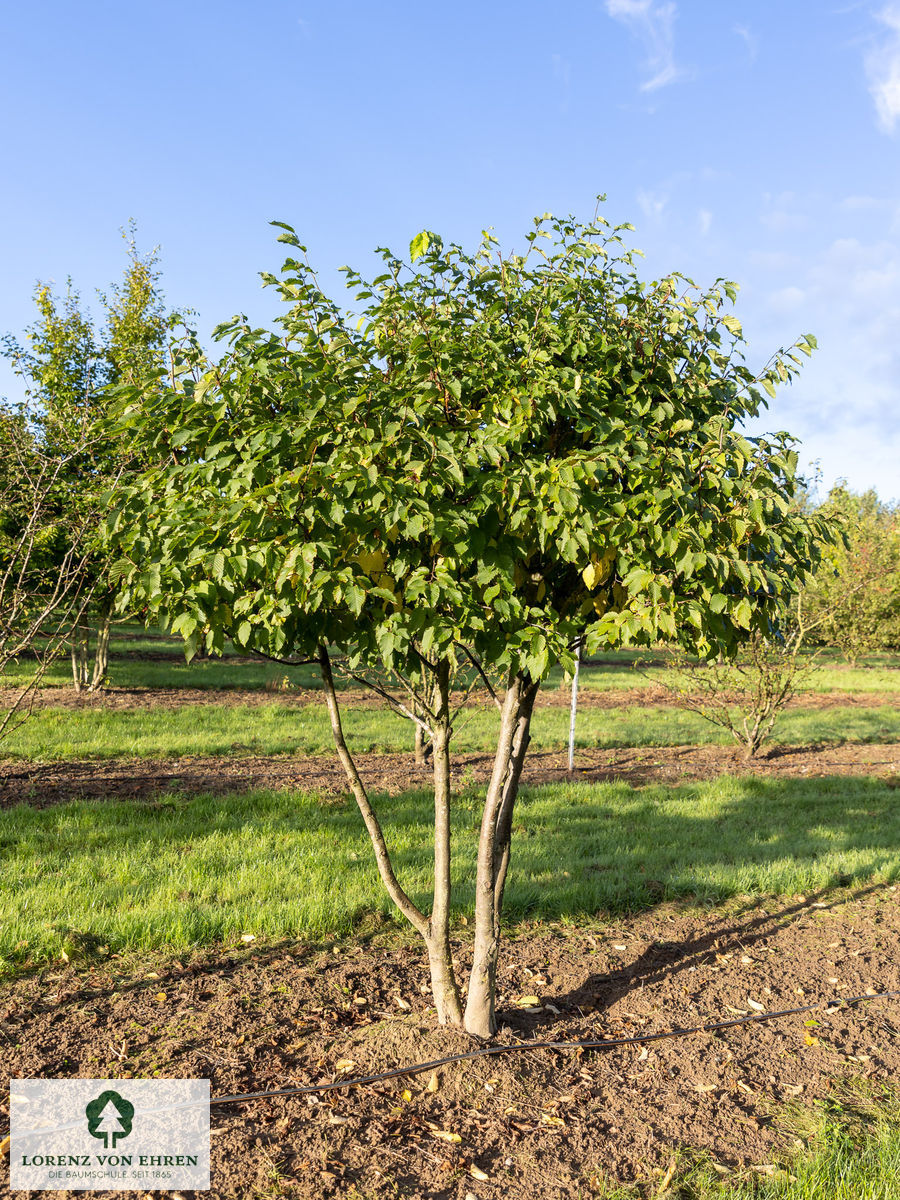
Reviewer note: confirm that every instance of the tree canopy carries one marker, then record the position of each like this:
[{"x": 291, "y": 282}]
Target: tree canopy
[{"x": 501, "y": 453}]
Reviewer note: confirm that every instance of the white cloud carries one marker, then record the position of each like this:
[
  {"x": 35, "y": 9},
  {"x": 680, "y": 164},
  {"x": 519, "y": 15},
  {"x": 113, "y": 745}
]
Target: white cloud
[
  {"x": 562, "y": 73},
  {"x": 750, "y": 40},
  {"x": 844, "y": 403},
  {"x": 652, "y": 204},
  {"x": 883, "y": 69},
  {"x": 653, "y": 24},
  {"x": 786, "y": 300},
  {"x": 780, "y": 213},
  {"x": 704, "y": 219}
]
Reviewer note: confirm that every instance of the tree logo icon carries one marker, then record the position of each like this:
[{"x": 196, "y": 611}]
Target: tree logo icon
[{"x": 109, "y": 1116}]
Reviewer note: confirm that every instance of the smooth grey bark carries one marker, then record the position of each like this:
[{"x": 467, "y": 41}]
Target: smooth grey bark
[
  {"x": 443, "y": 978},
  {"x": 494, "y": 852},
  {"x": 89, "y": 671}
]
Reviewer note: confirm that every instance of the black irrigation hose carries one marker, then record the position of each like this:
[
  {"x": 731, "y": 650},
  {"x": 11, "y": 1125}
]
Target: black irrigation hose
[{"x": 605, "y": 1044}]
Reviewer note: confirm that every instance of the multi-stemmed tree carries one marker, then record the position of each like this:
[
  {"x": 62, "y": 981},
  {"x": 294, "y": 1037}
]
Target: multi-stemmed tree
[{"x": 500, "y": 454}]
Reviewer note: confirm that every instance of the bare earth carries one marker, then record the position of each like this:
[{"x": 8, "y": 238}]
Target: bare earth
[
  {"x": 636, "y": 697},
  {"x": 140, "y": 778},
  {"x": 540, "y": 1125}
]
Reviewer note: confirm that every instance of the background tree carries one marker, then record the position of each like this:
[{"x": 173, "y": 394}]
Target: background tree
[
  {"x": 745, "y": 694},
  {"x": 44, "y": 559},
  {"x": 69, "y": 367},
  {"x": 855, "y": 595},
  {"x": 503, "y": 454}
]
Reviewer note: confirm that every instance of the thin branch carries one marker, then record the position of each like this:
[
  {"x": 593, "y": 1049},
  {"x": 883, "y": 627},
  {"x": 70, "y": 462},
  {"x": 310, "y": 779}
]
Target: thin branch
[
  {"x": 480, "y": 669},
  {"x": 395, "y": 704}
]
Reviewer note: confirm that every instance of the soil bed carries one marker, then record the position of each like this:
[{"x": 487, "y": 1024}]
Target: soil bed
[
  {"x": 179, "y": 697},
  {"x": 53, "y": 783},
  {"x": 539, "y": 1125}
]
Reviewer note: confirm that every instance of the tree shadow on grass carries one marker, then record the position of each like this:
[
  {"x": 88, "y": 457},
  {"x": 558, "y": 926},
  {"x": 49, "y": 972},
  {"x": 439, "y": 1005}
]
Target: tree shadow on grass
[{"x": 578, "y": 851}]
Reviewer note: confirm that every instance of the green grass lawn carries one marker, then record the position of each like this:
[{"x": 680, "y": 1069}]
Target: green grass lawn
[
  {"x": 279, "y": 729},
  {"x": 187, "y": 871},
  {"x": 167, "y": 668}
]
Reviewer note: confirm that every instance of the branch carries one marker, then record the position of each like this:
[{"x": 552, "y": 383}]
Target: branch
[
  {"x": 480, "y": 669},
  {"x": 287, "y": 662},
  {"x": 395, "y": 704}
]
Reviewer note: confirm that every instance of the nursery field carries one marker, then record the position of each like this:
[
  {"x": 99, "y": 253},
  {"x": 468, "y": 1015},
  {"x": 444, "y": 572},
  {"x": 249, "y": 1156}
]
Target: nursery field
[{"x": 187, "y": 889}]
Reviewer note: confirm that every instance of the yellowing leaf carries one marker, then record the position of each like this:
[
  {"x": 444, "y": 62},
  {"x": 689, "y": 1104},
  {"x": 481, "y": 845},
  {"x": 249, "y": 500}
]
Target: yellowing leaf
[
  {"x": 445, "y": 1135},
  {"x": 546, "y": 1119},
  {"x": 591, "y": 576},
  {"x": 810, "y": 1040},
  {"x": 160, "y": 997},
  {"x": 528, "y": 1002},
  {"x": 477, "y": 1173},
  {"x": 433, "y": 1082},
  {"x": 406, "y": 1095}
]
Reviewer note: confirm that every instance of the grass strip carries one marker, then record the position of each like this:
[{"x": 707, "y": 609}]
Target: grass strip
[
  {"x": 192, "y": 871},
  {"x": 54, "y": 734}
]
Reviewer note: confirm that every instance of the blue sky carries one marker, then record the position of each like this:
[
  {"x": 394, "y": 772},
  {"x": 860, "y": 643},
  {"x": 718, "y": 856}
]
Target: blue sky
[{"x": 756, "y": 141}]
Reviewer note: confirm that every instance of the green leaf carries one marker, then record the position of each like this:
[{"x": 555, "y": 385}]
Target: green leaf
[{"x": 419, "y": 245}]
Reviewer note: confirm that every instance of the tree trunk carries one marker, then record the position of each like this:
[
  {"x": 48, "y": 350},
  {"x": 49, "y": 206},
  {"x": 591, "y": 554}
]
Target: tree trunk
[
  {"x": 101, "y": 648},
  {"x": 81, "y": 647},
  {"x": 424, "y": 747},
  {"x": 494, "y": 853},
  {"x": 443, "y": 980}
]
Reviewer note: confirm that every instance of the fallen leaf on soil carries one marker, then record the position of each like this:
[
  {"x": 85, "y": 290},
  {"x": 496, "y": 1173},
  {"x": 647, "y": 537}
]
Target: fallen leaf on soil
[
  {"x": 406, "y": 1095},
  {"x": 546, "y": 1119},
  {"x": 401, "y": 1003},
  {"x": 4, "y": 1145},
  {"x": 477, "y": 1173},
  {"x": 793, "y": 1089},
  {"x": 667, "y": 1178},
  {"x": 152, "y": 975},
  {"x": 160, "y": 997},
  {"x": 741, "y": 1012},
  {"x": 248, "y": 937},
  {"x": 755, "y": 1004},
  {"x": 705, "y": 1087},
  {"x": 445, "y": 1135},
  {"x": 344, "y": 1064},
  {"x": 433, "y": 1082},
  {"x": 527, "y": 1001},
  {"x": 810, "y": 1040},
  {"x": 617, "y": 946}
]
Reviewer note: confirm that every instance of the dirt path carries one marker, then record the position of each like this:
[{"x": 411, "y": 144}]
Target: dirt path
[
  {"x": 52, "y": 783},
  {"x": 169, "y": 698},
  {"x": 538, "y": 1126}
]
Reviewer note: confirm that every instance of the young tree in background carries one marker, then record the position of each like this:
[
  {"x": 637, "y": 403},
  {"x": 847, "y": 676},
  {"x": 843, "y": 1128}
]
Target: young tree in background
[
  {"x": 503, "y": 455},
  {"x": 69, "y": 368},
  {"x": 855, "y": 595}
]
